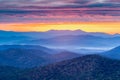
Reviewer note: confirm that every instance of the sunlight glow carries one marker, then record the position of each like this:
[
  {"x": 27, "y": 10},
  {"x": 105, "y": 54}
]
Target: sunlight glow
[{"x": 107, "y": 27}]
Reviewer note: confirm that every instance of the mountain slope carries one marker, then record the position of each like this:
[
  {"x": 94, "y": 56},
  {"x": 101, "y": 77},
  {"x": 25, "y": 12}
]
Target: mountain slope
[
  {"x": 22, "y": 57},
  {"x": 30, "y": 56},
  {"x": 113, "y": 53},
  {"x": 90, "y": 67},
  {"x": 78, "y": 41},
  {"x": 36, "y": 47},
  {"x": 65, "y": 55},
  {"x": 12, "y": 38},
  {"x": 9, "y": 73}
]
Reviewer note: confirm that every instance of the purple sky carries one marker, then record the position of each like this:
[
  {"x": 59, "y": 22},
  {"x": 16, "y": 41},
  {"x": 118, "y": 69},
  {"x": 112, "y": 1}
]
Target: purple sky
[{"x": 59, "y": 10}]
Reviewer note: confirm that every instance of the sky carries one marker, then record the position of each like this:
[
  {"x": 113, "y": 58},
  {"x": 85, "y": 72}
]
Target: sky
[{"x": 43, "y": 15}]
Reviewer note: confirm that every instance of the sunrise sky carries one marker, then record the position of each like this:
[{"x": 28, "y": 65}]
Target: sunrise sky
[{"x": 44, "y": 15}]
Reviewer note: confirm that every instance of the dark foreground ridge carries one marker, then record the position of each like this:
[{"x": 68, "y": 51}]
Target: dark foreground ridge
[{"x": 90, "y": 67}]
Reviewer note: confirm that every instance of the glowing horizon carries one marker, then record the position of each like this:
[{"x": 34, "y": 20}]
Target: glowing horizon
[
  {"x": 106, "y": 27},
  {"x": 44, "y": 15}
]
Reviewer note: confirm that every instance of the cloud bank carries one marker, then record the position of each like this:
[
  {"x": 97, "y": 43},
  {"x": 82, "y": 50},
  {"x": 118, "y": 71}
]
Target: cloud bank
[{"x": 59, "y": 10}]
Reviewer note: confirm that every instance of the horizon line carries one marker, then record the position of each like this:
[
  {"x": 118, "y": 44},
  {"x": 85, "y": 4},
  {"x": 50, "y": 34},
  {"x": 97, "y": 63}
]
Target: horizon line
[{"x": 56, "y": 30}]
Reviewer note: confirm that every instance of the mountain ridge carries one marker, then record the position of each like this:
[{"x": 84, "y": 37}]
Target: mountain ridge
[
  {"x": 30, "y": 56},
  {"x": 113, "y": 53},
  {"x": 88, "y": 67}
]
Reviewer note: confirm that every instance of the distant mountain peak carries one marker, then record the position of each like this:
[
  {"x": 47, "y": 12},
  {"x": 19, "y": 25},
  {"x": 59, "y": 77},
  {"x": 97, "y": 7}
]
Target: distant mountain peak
[{"x": 67, "y": 30}]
